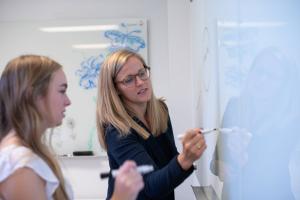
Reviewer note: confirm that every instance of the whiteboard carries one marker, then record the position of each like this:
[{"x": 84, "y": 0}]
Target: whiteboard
[{"x": 80, "y": 46}]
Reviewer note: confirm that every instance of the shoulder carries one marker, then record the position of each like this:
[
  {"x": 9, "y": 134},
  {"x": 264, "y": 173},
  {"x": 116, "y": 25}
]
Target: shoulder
[
  {"x": 116, "y": 142},
  {"x": 162, "y": 103},
  {"x": 26, "y": 180},
  {"x": 110, "y": 128},
  {"x": 12, "y": 158},
  {"x": 112, "y": 133},
  {"x": 16, "y": 160}
]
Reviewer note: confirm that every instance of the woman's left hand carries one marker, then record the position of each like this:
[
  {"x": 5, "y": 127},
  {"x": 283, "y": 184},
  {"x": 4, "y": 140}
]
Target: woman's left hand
[
  {"x": 194, "y": 145},
  {"x": 128, "y": 182}
]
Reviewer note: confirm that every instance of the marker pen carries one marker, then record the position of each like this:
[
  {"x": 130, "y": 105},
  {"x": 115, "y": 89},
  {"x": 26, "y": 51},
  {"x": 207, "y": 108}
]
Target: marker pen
[
  {"x": 143, "y": 169},
  {"x": 205, "y": 131}
]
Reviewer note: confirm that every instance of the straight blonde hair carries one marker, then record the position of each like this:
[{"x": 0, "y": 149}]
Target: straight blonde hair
[
  {"x": 111, "y": 110},
  {"x": 23, "y": 80}
]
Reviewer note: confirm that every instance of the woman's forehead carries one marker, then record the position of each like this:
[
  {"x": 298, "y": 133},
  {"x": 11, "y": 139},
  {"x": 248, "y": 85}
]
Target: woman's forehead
[{"x": 132, "y": 65}]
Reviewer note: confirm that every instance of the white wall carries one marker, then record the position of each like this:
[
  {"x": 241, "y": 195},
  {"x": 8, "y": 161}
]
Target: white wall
[
  {"x": 83, "y": 175},
  {"x": 204, "y": 66},
  {"x": 180, "y": 76},
  {"x": 155, "y": 11},
  {"x": 169, "y": 57}
]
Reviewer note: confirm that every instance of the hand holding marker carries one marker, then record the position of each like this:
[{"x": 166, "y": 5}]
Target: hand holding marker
[
  {"x": 143, "y": 169},
  {"x": 206, "y": 131}
]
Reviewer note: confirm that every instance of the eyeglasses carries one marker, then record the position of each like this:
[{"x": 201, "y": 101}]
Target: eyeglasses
[{"x": 143, "y": 74}]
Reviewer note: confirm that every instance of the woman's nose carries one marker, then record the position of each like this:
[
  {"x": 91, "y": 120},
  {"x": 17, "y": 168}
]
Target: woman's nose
[
  {"x": 68, "y": 101},
  {"x": 138, "y": 80}
]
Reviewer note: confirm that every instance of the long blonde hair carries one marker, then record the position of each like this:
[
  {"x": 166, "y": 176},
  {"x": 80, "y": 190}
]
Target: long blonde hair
[
  {"x": 23, "y": 80},
  {"x": 111, "y": 110}
]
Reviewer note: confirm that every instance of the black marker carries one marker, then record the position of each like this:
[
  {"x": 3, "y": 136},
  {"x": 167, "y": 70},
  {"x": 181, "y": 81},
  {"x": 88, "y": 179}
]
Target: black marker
[
  {"x": 143, "y": 169},
  {"x": 83, "y": 153}
]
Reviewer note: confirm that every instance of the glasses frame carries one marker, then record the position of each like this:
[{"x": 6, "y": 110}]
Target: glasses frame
[{"x": 135, "y": 75}]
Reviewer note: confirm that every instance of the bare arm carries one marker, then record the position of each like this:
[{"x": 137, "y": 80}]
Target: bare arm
[{"x": 23, "y": 184}]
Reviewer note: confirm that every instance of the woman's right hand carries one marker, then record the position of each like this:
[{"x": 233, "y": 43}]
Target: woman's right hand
[
  {"x": 128, "y": 182},
  {"x": 193, "y": 146}
]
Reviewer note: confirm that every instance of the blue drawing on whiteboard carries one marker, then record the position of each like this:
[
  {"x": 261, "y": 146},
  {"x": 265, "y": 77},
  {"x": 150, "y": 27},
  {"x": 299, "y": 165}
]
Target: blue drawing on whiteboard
[
  {"x": 92, "y": 135},
  {"x": 89, "y": 71},
  {"x": 128, "y": 40}
]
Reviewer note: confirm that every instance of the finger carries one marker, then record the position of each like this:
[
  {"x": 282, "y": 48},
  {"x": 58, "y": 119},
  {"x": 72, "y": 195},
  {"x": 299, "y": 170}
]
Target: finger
[
  {"x": 191, "y": 133},
  {"x": 198, "y": 139},
  {"x": 202, "y": 147},
  {"x": 135, "y": 180},
  {"x": 128, "y": 166},
  {"x": 199, "y": 151},
  {"x": 130, "y": 163}
]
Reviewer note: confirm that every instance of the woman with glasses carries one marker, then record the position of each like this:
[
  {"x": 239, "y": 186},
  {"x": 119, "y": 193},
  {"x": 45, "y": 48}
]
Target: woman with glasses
[{"x": 133, "y": 124}]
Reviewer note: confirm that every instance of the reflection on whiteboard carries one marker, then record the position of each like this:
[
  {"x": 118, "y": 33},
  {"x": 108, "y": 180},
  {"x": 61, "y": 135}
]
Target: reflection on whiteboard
[
  {"x": 80, "y": 46},
  {"x": 258, "y": 97}
]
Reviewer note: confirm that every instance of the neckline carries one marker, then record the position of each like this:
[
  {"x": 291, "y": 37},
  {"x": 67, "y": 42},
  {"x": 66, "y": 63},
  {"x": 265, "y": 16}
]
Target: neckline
[
  {"x": 141, "y": 123},
  {"x": 11, "y": 139},
  {"x": 9, "y": 147}
]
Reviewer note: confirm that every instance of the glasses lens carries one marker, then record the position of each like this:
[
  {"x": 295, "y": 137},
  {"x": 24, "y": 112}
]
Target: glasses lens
[
  {"x": 129, "y": 81},
  {"x": 143, "y": 74}
]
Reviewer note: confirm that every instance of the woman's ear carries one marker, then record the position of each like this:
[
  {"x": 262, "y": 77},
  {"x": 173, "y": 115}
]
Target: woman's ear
[{"x": 40, "y": 102}]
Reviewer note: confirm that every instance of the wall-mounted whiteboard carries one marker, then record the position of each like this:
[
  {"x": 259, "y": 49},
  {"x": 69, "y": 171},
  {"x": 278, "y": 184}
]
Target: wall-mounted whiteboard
[
  {"x": 255, "y": 63},
  {"x": 80, "y": 46}
]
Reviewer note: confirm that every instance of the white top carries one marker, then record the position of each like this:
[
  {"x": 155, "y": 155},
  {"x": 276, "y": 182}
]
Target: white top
[{"x": 13, "y": 157}]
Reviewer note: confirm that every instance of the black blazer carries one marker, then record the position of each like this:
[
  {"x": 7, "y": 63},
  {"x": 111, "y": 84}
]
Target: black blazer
[{"x": 160, "y": 152}]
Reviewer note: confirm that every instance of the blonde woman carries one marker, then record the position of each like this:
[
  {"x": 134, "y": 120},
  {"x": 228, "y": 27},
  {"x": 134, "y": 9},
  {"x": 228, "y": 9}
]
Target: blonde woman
[
  {"x": 33, "y": 98},
  {"x": 133, "y": 124}
]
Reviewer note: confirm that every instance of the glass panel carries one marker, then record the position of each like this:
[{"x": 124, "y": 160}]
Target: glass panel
[{"x": 258, "y": 157}]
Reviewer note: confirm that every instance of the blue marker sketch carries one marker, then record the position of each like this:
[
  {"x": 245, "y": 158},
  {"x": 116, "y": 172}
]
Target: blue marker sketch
[
  {"x": 90, "y": 69},
  {"x": 129, "y": 40},
  {"x": 92, "y": 135},
  {"x": 130, "y": 35}
]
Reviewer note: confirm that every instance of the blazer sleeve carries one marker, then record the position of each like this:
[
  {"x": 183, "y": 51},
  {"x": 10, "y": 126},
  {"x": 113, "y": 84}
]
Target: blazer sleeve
[{"x": 158, "y": 183}]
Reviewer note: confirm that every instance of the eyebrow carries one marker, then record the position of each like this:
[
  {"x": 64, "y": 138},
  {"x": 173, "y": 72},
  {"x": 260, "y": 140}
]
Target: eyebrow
[
  {"x": 130, "y": 74},
  {"x": 135, "y": 73},
  {"x": 65, "y": 85}
]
